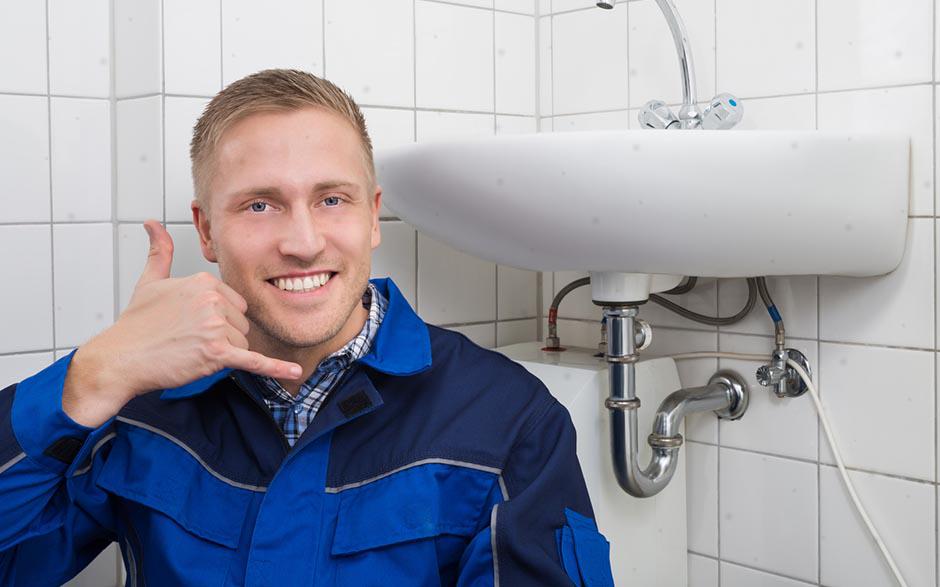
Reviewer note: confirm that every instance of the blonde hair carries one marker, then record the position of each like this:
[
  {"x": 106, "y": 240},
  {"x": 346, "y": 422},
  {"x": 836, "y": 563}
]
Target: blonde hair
[{"x": 270, "y": 90}]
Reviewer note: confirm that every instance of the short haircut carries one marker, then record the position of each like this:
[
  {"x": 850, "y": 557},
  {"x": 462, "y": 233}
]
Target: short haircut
[{"x": 270, "y": 90}]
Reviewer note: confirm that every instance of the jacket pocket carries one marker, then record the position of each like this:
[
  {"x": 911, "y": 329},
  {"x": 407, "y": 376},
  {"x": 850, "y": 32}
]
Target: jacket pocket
[
  {"x": 412, "y": 527},
  {"x": 584, "y": 551},
  {"x": 187, "y": 521}
]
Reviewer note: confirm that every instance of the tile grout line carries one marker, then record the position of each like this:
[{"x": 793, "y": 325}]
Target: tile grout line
[
  {"x": 49, "y": 167},
  {"x": 414, "y": 117},
  {"x": 818, "y": 319},
  {"x": 936, "y": 432},
  {"x": 495, "y": 132},
  {"x": 113, "y": 107},
  {"x": 814, "y": 462},
  {"x": 746, "y": 566},
  {"x": 163, "y": 108},
  {"x": 898, "y": 86},
  {"x": 718, "y": 349},
  {"x": 936, "y": 517},
  {"x": 537, "y": 57}
]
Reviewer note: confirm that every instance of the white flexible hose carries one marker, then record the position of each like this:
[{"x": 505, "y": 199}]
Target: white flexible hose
[{"x": 820, "y": 411}]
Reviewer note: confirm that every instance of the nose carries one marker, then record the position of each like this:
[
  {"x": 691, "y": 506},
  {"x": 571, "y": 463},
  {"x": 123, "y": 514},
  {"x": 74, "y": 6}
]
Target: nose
[{"x": 301, "y": 236}]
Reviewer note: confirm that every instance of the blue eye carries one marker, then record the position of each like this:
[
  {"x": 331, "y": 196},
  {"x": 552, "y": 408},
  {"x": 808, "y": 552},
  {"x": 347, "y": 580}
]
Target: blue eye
[
  {"x": 326, "y": 200},
  {"x": 259, "y": 203}
]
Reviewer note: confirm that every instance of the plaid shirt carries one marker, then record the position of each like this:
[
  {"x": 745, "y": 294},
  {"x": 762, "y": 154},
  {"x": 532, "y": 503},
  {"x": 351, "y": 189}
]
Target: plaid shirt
[{"x": 294, "y": 414}]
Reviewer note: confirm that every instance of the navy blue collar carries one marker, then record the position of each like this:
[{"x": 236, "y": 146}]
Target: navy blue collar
[{"x": 402, "y": 345}]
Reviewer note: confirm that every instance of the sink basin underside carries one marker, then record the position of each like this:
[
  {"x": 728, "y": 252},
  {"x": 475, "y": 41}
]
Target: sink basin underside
[{"x": 709, "y": 203}]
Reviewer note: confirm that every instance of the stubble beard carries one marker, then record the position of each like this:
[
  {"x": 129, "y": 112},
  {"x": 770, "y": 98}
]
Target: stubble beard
[{"x": 328, "y": 323}]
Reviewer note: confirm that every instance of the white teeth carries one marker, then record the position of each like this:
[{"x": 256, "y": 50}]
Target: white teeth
[{"x": 301, "y": 284}]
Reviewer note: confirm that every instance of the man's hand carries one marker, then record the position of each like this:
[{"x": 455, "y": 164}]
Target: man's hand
[{"x": 172, "y": 332}]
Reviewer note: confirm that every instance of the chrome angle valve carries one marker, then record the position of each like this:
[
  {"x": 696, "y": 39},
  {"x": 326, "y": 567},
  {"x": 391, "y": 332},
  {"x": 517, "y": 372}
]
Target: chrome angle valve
[
  {"x": 782, "y": 379},
  {"x": 723, "y": 112}
]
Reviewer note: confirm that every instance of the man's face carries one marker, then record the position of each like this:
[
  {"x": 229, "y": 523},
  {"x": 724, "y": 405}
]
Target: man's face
[{"x": 290, "y": 194}]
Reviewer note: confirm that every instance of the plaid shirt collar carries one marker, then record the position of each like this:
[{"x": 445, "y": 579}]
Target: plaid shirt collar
[{"x": 294, "y": 413}]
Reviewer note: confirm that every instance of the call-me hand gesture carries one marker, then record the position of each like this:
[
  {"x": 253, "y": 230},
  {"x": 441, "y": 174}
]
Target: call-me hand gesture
[{"x": 173, "y": 331}]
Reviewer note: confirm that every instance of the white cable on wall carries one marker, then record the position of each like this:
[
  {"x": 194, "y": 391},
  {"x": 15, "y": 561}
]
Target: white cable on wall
[{"x": 820, "y": 411}]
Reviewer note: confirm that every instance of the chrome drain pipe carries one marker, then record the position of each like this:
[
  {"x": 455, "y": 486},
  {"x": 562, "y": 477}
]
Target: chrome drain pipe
[{"x": 725, "y": 394}]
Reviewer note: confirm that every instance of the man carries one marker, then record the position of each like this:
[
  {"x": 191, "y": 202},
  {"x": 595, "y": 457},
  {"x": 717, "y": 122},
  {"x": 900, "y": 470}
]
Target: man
[{"x": 352, "y": 445}]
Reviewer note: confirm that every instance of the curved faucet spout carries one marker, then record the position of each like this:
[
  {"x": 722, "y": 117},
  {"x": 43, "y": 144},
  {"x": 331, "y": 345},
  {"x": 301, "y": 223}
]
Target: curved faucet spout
[{"x": 689, "y": 113}]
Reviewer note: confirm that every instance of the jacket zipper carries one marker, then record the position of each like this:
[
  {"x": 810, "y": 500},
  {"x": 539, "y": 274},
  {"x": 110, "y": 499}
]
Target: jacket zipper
[{"x": 267, "y": 412}]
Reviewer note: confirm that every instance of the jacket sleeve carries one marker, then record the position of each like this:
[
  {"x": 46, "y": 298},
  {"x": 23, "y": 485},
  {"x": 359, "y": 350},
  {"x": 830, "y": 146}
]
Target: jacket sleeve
[
  {"x": 53, "y": 520},
  {"x": 542, "y": 533}
]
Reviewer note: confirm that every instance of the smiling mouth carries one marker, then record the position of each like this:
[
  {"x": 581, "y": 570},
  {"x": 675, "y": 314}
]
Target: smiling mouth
[{"x": 304, "y": 284}]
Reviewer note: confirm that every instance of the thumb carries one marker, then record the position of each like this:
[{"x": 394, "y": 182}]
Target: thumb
[{"x": 160, "y": 256}]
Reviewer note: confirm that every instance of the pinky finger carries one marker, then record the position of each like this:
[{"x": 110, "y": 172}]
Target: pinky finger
[{"x": 259, "y": 364}]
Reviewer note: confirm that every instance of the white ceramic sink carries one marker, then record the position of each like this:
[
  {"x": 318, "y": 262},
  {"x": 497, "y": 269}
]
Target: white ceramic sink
[{"x": 705, "y": 203}]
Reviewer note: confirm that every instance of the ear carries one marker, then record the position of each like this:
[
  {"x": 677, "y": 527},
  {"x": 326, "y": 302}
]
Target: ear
[
  {"x": 201, "y": 222},
  {"x": 376, "y": 206}
]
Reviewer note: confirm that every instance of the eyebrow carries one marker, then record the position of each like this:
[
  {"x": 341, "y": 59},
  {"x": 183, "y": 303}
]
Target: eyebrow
[{"x": 274, "y": 191}]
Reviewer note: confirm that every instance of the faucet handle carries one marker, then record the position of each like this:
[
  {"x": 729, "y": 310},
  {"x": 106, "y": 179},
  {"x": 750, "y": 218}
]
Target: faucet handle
[
  {"x": 723, "y": 112},
  {"x": 655, "y": 114}
]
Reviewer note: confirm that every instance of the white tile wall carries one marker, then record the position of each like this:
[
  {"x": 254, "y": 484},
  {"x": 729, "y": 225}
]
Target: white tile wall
[
  {"x": 279, "y": 33},
  {"x": 904, "y": 513},
  {"x": 701, "y": 468},
  {"x": 437, "y": 126},
  {"x": 513, "y": 331},
  {"x": 15, "y": 368},
  {"x": 506, "y": 124},
  {"x": 24, "y": 158},
  {"x": 454, "y": 66},
  {"x": 139, "y": 157},
  {"x": 79, "y": 48},
  {"x": 768, "y": 513},
  {"x": 27, "y": 316},
  {"x": 192, "y": 37},
  {"x": 703, "y": 571},
  {"x": 180, "y": 118},
  {"x": 103, "y": 145},
  {"x": 83, "y": 281},
  {"x": 395, "y": 257},
  {"x": 137, "y": 50},
  {"x": 81, "y": 159},
  {"x": 854, "y": 394},
  {"x": 737, "y": 576},
  {"x": 900, "y": 305},
  {"x": 589, "y": 53},
  {"x": 23, "y": 33},
  {"x": 454, "y": 287},
  {"x": 766, "y": 47},
  {"x": 387, "y": 77},
  {"x": 865, "y": 43},
  {"x": 515, "y": 63}
]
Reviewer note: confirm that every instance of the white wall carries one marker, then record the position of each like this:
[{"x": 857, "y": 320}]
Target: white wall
[
  {"x": 95, "y": 123},
  {"x": 766, "y": 506}
]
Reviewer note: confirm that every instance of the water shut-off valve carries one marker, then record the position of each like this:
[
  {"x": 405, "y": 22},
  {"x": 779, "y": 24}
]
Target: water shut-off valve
[
  {"x": 782, "y": 379},
  {"x": 723, "y": 112}
]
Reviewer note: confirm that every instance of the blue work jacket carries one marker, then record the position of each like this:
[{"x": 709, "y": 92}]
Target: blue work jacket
[{"x": 432, "y": 462}]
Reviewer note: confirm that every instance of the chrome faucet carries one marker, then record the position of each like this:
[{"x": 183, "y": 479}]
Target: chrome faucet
[{"x": 723, "y": 111}]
